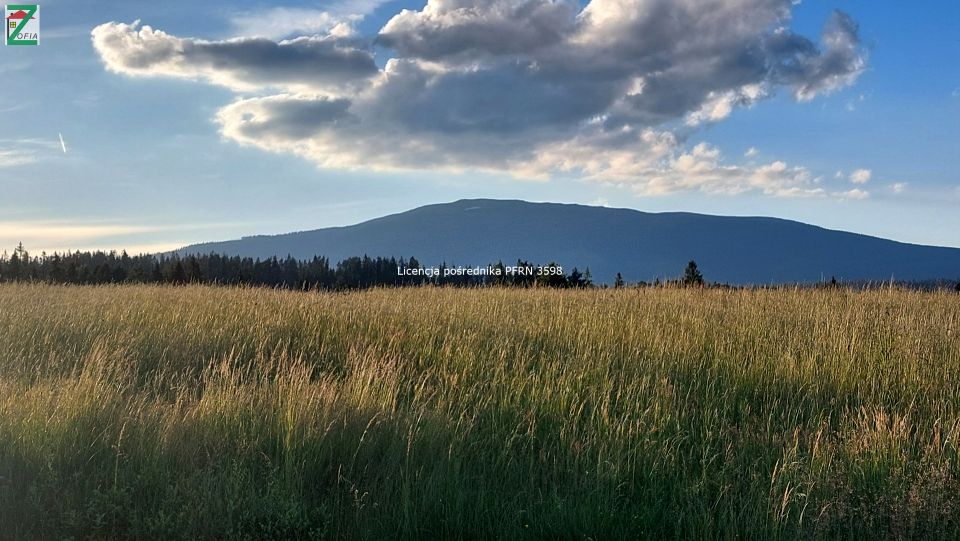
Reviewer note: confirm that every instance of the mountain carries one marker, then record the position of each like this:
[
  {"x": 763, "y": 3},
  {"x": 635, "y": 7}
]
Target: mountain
[{"x": 640, "y": 245}]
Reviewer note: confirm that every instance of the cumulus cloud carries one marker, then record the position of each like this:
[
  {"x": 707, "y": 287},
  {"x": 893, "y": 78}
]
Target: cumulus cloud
[
  {"x": 529, "y": 87},
  {"x": 656, "y": 163},
  {"x": 456, "y": 28},
  {"x": 244, "y": 64},
  {"x": 702, "y": 169},
  {"x": 839, "y": 64},
  {"x": 718, "y": 106},
  {"x": 855, "y": 193},
  {"x": 861, "y": 176}
]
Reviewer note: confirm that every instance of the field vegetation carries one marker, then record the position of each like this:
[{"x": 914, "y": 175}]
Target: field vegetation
[{"x": 197, "y": 412}]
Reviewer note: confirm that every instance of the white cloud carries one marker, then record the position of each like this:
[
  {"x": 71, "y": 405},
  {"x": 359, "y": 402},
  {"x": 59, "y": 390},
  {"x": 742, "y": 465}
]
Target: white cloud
[
  {"x": 655, "y": 163},
  {"x": 600, "y": 202},
  {"x": 528, "y": 87},
  {"x": 24, "y": 151},
  {"x": 898, "y": 187},
  {"x": 718, "y": 106},
  {"x": 316, "y": 63},
  {"x": 855, "y": 193},
  {"x": 861, "y": 176},
  {"x": 14, "y": 158},
  {"x": 281, "y": 22},
  {"x": 751, "y": 152},
  {"x": 840, "y": 65}
]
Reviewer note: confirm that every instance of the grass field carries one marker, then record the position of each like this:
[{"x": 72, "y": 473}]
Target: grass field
[{"x": 217, "y": 413}]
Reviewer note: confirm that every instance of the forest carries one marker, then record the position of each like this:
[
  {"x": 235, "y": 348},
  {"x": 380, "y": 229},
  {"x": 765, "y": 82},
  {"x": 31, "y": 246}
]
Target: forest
[{"x": 361, "y": 272}]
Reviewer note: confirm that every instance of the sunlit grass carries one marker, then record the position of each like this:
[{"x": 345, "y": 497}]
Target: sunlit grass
[{"x": 199, "y": 412}]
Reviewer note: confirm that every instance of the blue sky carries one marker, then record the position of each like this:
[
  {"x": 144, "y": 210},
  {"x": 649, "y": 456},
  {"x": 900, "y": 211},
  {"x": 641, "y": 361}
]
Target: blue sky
[{"x": 161, "y": 151}]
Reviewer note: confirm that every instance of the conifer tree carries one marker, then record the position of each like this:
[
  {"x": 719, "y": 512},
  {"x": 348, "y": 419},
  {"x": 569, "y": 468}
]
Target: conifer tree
[{"x": 692, "y": 275}]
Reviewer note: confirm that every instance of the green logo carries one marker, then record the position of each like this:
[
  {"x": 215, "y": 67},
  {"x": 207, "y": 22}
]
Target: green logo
[{"x": 23, "y": 24}]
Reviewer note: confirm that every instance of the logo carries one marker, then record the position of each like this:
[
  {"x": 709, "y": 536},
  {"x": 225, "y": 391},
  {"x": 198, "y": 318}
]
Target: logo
[{"x": 23, "y": 24}]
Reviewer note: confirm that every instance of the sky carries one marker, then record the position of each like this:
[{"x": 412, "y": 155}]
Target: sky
[{"x": 188, "y": 122}]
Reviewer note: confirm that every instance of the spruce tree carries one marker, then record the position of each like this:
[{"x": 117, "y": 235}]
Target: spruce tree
[
  {"x": 692, "y": 275},
  {"x": 179, "y": 275}
]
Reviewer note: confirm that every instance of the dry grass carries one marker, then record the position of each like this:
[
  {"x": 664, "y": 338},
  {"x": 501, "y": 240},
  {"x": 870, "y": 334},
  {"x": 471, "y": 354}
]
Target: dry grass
[{"x": 197, "y": 412}]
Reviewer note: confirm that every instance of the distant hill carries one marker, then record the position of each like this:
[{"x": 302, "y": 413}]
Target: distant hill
[{"x": 640, "y": 245}]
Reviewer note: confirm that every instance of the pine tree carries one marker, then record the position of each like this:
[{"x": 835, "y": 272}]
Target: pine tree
[
  {"x": 178, "y": 276},
  {"x": 575, "y": 279},
  {"x": 21, "y": 252},
  {"x": 14, "y": 266},
  {"x": 692, "y": 275},
  {"x": 193, "y": 274},
  {"x": 618, "y": 282}
]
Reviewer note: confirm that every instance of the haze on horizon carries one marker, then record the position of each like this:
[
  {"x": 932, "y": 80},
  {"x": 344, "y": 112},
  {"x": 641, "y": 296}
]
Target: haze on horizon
[{"x": 188, "y": 123}]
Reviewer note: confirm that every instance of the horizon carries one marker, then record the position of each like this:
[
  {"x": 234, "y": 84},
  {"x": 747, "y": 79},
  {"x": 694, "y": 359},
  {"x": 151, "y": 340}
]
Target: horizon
[
  {"x": 596, "y": 206},
  {"x": 352, "y": 224},
  {"x": 294, "y": 116}
]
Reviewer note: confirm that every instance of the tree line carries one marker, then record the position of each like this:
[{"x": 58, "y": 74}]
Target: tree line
[{"x": 90, "y": 268}]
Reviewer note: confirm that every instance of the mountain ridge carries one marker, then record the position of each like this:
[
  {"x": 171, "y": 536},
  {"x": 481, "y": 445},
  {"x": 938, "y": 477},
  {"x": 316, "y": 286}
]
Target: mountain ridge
[{"x": 640, "y": 245}]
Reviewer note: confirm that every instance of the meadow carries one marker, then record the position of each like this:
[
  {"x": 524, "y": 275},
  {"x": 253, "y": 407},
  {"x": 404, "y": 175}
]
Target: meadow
[{"x": 160, "y": 412}]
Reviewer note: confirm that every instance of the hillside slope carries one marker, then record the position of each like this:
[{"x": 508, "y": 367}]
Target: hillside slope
[{"x": 641, "y": 246}]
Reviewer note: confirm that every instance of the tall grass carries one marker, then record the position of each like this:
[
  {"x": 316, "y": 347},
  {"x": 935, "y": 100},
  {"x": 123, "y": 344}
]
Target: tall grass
[{"x": 197, "y": 412}]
